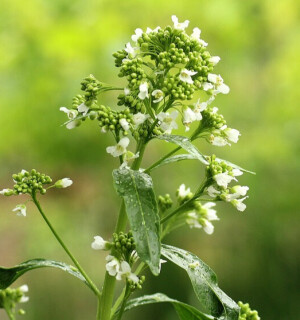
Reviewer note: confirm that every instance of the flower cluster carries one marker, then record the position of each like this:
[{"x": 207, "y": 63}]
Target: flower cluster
[
  {"x": 220, "y": 174},
  {"x": 164, "y": 202},
  {"x": 119, "y": 263},
  {"x": 10, "y": 297},
  {"x": 246, "y": 313},
  {"x": 32, "y": 182}
]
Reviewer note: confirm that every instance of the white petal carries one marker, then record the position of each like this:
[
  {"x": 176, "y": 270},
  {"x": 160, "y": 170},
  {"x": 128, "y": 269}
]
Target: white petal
[
  {"x": 208, "y": 227},
  {"x": 124, "y": 142},
  {"x": 124, "y": 124}
]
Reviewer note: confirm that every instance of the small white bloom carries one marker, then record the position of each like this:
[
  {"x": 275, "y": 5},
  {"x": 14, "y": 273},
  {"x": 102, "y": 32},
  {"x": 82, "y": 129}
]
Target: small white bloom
[
  {"x": 223, "y": 179},
  {"x": 139, "y": 118},
  {"x": 210, "y": 214},
  {"x": 186, "y": 76},
  {"x": 207, "y": 86},
  {"x": 158, "y": 95},
  {"x": 143, "y": 94},
  {"x": 20, "y": 210},
  {"x": 214, "y": 60},
  {"x": 71, "y": 113},
  {"x": 168, "y": 122},
  {"x": 124, "y": 124},
  {"x": 239, "y": 190},
  {"x": 6, "y": 192},
  {"x": 99, "y": 243},
  {"x": 183, "y": 191},
  {"x": 83, "y": 109},
  {"x": 198, "y": 108},
  {"x": 238, "y": 203},
  {"x": 137, "y": 35},
  {"x": 126, "y": 91},
  {"x": 178, "y": 25},
  {"x": 149, "y": 30},
  {"x": 212, "y": 191},
  {"x": 112, "y": 265},
  {"x": 73, "y": 124},
  {"x": 188, "y": 117},
  {"x": 236, "y": 172},
  {"x": 208, "y": 227},
  {"x": 218, "y": 140},
  {"x": 118, "y": 149},
  {"x": 196, "y": 36},
  {"x": 63, "y": 183},
  {"x": 218, "y": 81},
  {"x": 24, "y": 288},
  {"x": 125, "y": 273},
  {"x": 132, "y": 52},
  {"x": 232, "y": 134}
]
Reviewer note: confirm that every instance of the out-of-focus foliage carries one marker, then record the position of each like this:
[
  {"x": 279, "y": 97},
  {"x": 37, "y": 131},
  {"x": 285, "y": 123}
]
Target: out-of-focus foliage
[{"x": 47, "y": 47}]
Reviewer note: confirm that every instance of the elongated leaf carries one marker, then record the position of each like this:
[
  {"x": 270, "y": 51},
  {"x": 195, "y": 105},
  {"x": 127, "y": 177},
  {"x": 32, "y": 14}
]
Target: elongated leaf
[
  {"x": 10, "y": 275},
  {"x": 136, "y": 188},
  {"x": 212, "y": 299},
  {"x": 186, "y": 144},
  {"x": 181, "y": 157},
  {"x": 184, "y": 311}
]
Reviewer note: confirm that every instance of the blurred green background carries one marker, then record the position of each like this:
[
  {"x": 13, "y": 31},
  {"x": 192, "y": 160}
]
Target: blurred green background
[{"x": 47, "y": 47}]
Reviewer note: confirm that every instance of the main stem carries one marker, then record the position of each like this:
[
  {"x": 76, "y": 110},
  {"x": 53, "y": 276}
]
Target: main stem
[
  {"x": 109, "y": 281},
  {"x": 87, "y": 278}
]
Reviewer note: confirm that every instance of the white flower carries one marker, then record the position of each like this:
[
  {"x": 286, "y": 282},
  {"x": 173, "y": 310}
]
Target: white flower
[
  {"x": 194, "y": 221},
  {"x": 218, "y": 81},
  {"x": 149, "y": 30},
  {"x": 83, "y": 109},
  {"x": 196, "y": 36},
  {"x": 208, "y": 227},
  {"x": 232, "y": 134},
  {"x": 210, "y": 214},
  {"x": 198, "y": 108},
  {"x": 143, "y": 91},
  {"x": 6, "y": 192},
  {"x": 71, "y": 113},
  {"x": 137, "y": 35},
  {"x": 118, "y": 149},
  {"x": 125, "y": 273},
  {"x": 212, "y": 191},
  {"x": 132, "y": 52},
  {"x": 126, "y": 91},
  {"x": 73, "y": 124},
  {"x": 207, "y": 86},
  {"x": 20, "y": 210},
  {"x": 238, "y": 203},
  {"x": 112, "y": 265},
  {"x": 180, "y": 26},
  {"x": 218, "y": 140},
  {"x": 214, "y": 60},
  {"x": 124, "y": 124},
  {"x": 188, "y": 117},
  {"x": 239, "y": 190},
  {"x": 99, "y": 243},
  {"x": 223, "y": 179},
  {"x": 236, "y": 172},
  {"x": 63, "y": 183},
  {"x": 183, "y": 191},
  {"x": 139, "y": 118},
  {"x": 168, "y": 122},
  {"x": 24, "y": 289},
  {"x": 158, "y": 95},
  {"x": 186, "y": 76}
]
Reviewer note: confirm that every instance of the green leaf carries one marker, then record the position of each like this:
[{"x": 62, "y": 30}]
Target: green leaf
[
  {"x": 186, "y": 144},
  {"x": 212, "y": 299},
  {"x": 10, "y": 275},
  {"x": 136, "y": 188},
  {"x": 181, "y": 157},
  {"x": 184, "y": 311}
]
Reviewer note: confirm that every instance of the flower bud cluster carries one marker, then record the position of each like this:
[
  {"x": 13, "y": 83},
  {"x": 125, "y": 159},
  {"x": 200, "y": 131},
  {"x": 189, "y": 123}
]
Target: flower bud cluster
[
  {"x": 124, "y": 244},
  {"x": 219, "y": 175},
  {"x": 29, "y": 182},
  {"x": 10, "y": 297},
  {"x": 91, "y": 87},
  {"x": 246, "y": 313},
  {"x": 164, "y": 202},
  {"x": 136, "y": 285}
]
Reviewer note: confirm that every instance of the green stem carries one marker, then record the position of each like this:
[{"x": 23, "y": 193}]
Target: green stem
[
  {"x": 9, "y": 313},
  {"x": 88, "y": 280},
  {"x": 125, "y": 298},
  {"x": 109, "y": 281}
]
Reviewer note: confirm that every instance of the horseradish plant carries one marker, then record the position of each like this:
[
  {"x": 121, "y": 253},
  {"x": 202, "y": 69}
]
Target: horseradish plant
[{"x": 170, "y": 79}]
